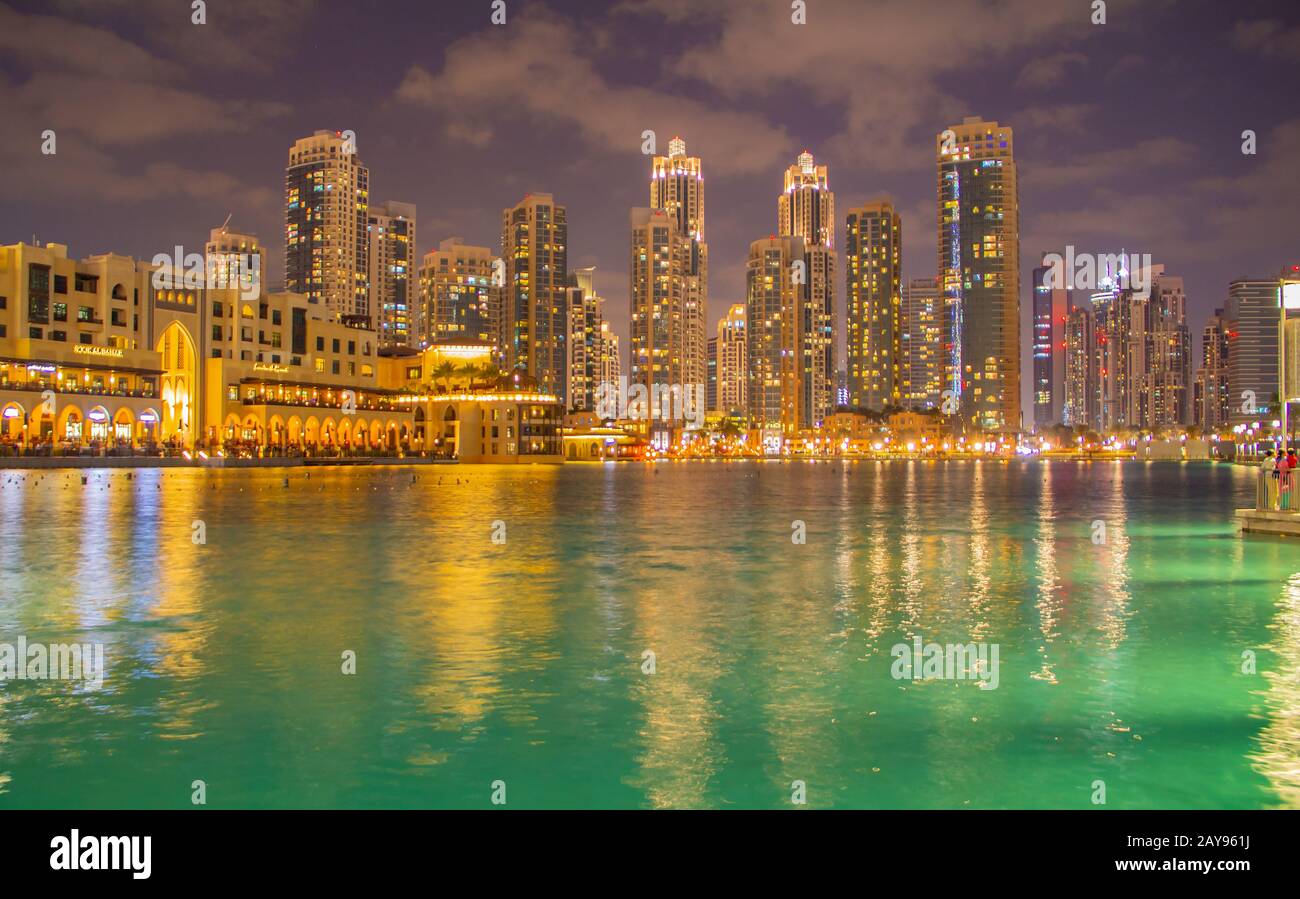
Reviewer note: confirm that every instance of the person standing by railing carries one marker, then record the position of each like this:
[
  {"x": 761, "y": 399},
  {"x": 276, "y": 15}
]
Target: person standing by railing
[{"x": 1281, "y": 481}]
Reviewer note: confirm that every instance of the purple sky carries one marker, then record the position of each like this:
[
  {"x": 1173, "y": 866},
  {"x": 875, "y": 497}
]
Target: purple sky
[{"x": 1128, "y": 134}]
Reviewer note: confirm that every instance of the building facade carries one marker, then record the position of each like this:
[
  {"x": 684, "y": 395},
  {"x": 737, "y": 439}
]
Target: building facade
[
  {"x": 394, "y": 291},
  {"x": 873, "y": 265},
  {"x": 677, "y": 187},
  {"x": 922, "y": 344},
  {"x": 326, "y": 245},
  {"x": 1253, "y": 348},
  {"x": 1052, "y": 307},
  {"x": 460, "y": 297},
  {"x": 979, "y": 270},
  {"x": 534, "y": 245}
]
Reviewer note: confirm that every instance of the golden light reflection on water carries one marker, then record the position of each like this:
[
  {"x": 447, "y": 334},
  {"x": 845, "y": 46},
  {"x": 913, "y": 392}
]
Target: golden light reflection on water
[
  {"x": 772, "y": 658},
  {"x": 1278, "y": 757}
]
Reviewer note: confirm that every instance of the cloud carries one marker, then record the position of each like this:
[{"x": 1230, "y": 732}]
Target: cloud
[
  {"x": 1067, "y": 118},
  {"x": 1048, "y": 71},
  {"x": 539, "y": 65},
  {"x": 39, "y": 40},
  {"x": 1111, "y": 166},
  {"x": 1267, "y": 37}
]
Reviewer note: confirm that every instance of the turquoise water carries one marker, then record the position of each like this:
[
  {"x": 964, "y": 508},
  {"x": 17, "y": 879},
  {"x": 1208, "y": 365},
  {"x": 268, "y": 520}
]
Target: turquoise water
[{"x": 522, "y": 662}]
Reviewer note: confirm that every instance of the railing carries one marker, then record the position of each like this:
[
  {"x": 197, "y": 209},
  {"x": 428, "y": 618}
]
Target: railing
[
  {"x": 59, "y": 390},
  {"x": 1276, "y": 492}
]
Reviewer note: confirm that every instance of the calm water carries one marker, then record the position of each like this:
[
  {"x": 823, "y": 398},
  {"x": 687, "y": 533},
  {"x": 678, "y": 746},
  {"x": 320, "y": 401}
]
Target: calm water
[{"x": 522, "y": 662}]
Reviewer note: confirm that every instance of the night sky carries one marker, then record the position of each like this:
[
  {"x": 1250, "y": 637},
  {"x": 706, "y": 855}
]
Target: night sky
[{"x": 1128, "y": 134}]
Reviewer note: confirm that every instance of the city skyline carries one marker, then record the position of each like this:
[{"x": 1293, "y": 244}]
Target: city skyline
[{"x": 1101, "y": 168}]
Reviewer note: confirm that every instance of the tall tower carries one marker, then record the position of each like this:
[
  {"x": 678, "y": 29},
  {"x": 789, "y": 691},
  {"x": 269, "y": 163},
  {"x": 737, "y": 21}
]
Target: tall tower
[
  {"x": 806, "y": 209},
  {"x": 326, "y": 248},
  {"x": 393, "y": 291},
  {"x": 1211, "y": 397},
  {"x": 873, "y": 267},
  {"x": 586, "y": 317},
  {"x": 1081, "y": 390},
  {"x": 677, "y": 187},
  {"x": 922, "y": 320},
  {"x": 1052, "y": 306},
  {"x": 1253, "y": 348},
  {"x": 534, "y": 245},
  {"x": 659, "y": 275},
  {"x": 776, "y": 303},
  {"x": 979, "y": 270},
  {"x": 732, "y": 367}
]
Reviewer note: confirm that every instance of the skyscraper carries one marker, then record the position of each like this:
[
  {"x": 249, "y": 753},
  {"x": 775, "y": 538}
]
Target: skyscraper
[
  {"x": 1052, "y": 306},
  {"x": 393, "y": 292},
  {"x": 732, "y": 367},
  {"x": 780, "y": 385},
  {"x": 659, "y": 270},
  {"x": 922, "y": 341},
  {"x": 873, "y": 266},
  {"x": 534, "y": 245},
  {"x": 326, "y": 249},
  {"x": 586, "y": 316},
  {"x": 1253, "y": 319},
  {"x": 459, "y": 299},
  {"x": 806, "y": 209},
  {"x": 1211, "y": 397},
  {"x": 1165, "y": 353},
  {"x": 677, "y": 187},
  {"x": 979, "y": 270},
  {"x": 1081, "y": 389}
]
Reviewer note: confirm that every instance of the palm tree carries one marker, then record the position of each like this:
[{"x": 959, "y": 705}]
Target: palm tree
[{"x": 444, "y": 371}]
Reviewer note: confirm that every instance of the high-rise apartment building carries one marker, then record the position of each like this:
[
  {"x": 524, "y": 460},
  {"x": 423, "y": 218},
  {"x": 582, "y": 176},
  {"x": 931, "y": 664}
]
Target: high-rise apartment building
[
  {"x": 922, "y": 344},
  {"x": 873, "y": 265},
  {"x": 677, "y": 187},
  {"x": 1210, "y": 392},
  {"x": 786, "y": 394},
  {"x": 1052, "y": 306},
  {"x": 534, "y": 245},
  {"x": 393, "y": 289},
  {"x": 1166, "y": 355},
  {"x": 1253, "y": 318},
  {"x": 586, "y": 317},
  {"x": 459, "y": 298},
  {"x": 731, "y": 362},
  {"x": 806, "y": 209},
  {"x": 659, "y": 272},
  {"x": 979, "y": 270},
  {"x": 326, "y": 247},
  {"x": 1081, "y": 391}
]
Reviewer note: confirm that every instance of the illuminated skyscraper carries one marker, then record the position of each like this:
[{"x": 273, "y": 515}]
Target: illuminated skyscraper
[
  {"x": 534, "y": 245},
  {"x": 659, "y": 274},
  {"x": 326, "y": 248},
  {"x": 1210, "y": 399},
  {"x": 1253, "y": 324},
  {"x": 731, "y": 364},
  {"x": 873, "y": 264},
  {"x": 1052, "y": 305},
  {"x": 806, "y": 209},
  {"x": 785, "y": 392},
  {"x": 677, "y": 187},
  {"x": 586, "y": 318},
  {"x": 393, "y": 291},
  {"x": 922, "y": 320},
  {"x": 459, "y": 299},
  {"x": 1080, "y": 368},
  {"x": 979, "y": 270}
]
